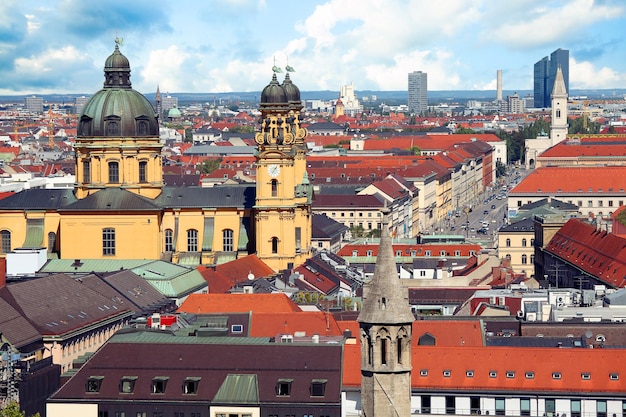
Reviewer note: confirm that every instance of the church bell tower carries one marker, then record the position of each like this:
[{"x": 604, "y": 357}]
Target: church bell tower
[
  {"x": 558, "y": 129},
  {"x": 283, "y": 191},
  {"x": 385, "y": 324}
]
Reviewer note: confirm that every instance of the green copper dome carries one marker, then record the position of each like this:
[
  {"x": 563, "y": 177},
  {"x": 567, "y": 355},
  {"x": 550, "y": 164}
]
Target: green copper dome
[
  {"x": 292, "y": 93},
  {"x": 117, "y": 110},
  {"x": 273, "y": 93}
]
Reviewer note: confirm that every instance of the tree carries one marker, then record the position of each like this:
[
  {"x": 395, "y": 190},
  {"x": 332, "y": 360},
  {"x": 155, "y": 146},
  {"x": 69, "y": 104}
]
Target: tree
[
  {"x": 13, "y": 410},
  {"x": 464, "y": 130},
  {"x": 500, "y": 169},
  {"x": 242, "y": 129},
  {"x": 582, "y": 125},
  {"x": 621, "y": 217},
  {"x": 210, "y": 165},
  {"x": 357, "y": 231},
  {"x": 415, "y": 150}
]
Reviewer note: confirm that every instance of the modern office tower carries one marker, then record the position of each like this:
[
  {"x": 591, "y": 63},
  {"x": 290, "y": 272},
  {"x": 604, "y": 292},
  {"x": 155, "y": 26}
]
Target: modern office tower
[
  {"x": 499, "y": 85},
  {"x": 168, "y": 102},
  {"x": 545, "y": 73},
  {"x": 34, "y": 104},
  {"x": 351, "y": 105},
  {"x": 79, "y": 104},
  {"x": 418, "y": 92}
]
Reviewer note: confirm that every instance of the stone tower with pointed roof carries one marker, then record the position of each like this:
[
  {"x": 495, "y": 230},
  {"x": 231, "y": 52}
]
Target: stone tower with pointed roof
[
  {"x": 283, "y": 221},
  {"x": 558, "y": 129},
  {"x": 385, "y": 330}
]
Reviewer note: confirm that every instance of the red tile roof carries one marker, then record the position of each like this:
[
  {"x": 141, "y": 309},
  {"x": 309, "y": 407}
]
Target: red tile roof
[
  {"x": 306, "y": 323},
  {"x": 594, "y": 251},
  {"x": 570, "y": 150},
  {"x": 516, "y": 368},
  {"x": 579, "y": 179},
  {"x": 225, "y": 276},
  {"x": 238, "y": 303}
]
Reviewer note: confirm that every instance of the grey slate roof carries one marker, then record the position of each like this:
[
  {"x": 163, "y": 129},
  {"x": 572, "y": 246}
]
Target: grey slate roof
[
  {"x": 38, "y": 199},
  {"x": 113, "y": 199},
  {"x": 325, "y": 227},
  {"x": 553, "y": 203},
  {"x": 526, "y": 225},
  {"x": 131, "y": 290},
  {"x": 57, "y": 304},
  {"x": 241, "y": 196},
  {"x": 14, "y": 327}
]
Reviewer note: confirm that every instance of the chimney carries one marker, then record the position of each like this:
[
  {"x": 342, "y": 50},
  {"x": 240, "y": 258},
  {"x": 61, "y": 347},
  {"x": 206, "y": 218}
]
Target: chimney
[{"x": 3, "y": 272}]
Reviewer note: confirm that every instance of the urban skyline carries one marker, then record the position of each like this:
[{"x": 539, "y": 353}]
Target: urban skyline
[{"x": 229, "y": 46}]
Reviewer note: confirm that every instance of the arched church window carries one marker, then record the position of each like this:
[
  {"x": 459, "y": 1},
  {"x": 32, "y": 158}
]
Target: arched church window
[
  {"x": 5, "y": 241},
  {"x": 228, "y": 240},
  {"x": 52, "y": 241},
  {"x": 169, "y": 240},
  {"x": 192, "y": 240},
  {"x": 274, "y": 245},
  {"x": 114, "y": 172},
  {"x": 143, "y": 171},
  {"x": 86, "y": 171},
  {"x": 274, "y": 188}
]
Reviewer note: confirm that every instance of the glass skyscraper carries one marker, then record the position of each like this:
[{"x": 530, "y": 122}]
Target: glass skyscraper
[{"x": 544, "y": 74}]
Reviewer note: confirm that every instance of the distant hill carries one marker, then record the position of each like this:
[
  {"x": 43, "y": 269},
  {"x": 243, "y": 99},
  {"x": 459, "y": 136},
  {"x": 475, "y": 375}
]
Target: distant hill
[{"x": 381, "y": 96}]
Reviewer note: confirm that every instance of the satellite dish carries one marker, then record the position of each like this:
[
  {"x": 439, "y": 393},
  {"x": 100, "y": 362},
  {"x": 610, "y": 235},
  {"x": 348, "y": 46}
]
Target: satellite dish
[{"x": 588, "y": 334}]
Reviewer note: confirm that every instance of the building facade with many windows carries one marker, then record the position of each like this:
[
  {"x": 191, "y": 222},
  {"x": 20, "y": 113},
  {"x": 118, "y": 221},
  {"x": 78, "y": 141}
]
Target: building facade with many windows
[{"x": 418, "y": 92}]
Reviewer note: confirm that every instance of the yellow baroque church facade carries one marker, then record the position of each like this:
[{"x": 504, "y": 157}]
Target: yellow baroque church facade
[{"x": 120, "y": 207}]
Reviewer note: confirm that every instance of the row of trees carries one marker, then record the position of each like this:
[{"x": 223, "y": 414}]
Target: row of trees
[{"x": 516, "y": 141}]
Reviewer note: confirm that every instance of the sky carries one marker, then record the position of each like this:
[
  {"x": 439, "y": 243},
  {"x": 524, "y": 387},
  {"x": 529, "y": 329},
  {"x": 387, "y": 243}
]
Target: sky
[{"x": 215, "y": 46}]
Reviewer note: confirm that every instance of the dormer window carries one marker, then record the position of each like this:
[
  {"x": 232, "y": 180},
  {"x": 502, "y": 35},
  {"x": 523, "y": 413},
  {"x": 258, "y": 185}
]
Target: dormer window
[
  {"x": 112, "y": 125},
  {"x": 159, "y": 384},
  {"x": 283, "y": 387},
  {"x": 127, "y": 384},
  {"x": 318, "y": 387},
  {"x": 190, "y": 385},
  {"x": 94, "y": 383}
]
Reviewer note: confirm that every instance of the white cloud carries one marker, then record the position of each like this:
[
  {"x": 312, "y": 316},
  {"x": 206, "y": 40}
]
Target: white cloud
[
  {"x": 49, "y": 61},
  {"x": 167, "y": 69},
  {"x": 541, "y": 25},
  {"x": 584, "y": 75}
]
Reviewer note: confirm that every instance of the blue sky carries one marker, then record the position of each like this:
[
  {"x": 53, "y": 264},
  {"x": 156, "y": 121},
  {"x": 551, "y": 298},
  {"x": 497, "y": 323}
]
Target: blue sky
[{"x": 59, "y": 46}]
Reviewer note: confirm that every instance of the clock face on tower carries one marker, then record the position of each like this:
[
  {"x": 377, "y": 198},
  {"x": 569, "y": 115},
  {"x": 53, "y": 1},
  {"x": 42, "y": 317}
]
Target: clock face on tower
[{"x": 273, "y": 170}]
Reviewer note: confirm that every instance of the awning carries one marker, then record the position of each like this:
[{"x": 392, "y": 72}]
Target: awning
[
  {"x": 244, "y": 228},
  {"x": 34, "y": 233},
  {"x": 207, "y": 239}
]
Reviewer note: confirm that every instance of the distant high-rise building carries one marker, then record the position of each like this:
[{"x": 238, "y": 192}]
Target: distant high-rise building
[
  {"x": 499, "y": 85},
  {"x": 349, "y": 99},
  {"x": 168, "y": 102},
  {"x": 79, "y": 104},
  {"x": 418, "y": 92},
  {"x": 34, "y": 104},
  {"x": 545, "y": 74}
]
